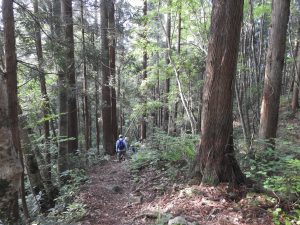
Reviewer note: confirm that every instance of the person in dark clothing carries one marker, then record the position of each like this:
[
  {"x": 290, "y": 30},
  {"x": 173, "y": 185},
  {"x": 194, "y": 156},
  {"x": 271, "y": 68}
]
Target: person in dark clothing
[
  {"x": 121, "y": 148},
  {"x": 132, "y": 150}
]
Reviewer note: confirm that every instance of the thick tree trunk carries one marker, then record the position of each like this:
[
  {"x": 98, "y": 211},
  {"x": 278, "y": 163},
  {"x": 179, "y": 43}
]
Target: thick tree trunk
[
  {"x": 66, "y": 9},
  {"x": 274, "y": 66},
  {"x": 107, "y": 141},
  {"x": 112, "y": 68},
  {"x": 10, "y": 166},
  {"x": 11, "y": 82},
  {"x": 215, "y": 161}
]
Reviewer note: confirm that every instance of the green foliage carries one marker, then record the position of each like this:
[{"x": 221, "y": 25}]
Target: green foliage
[
  {"x": 258, "y": 11},
  {"x": 162, "y": 219},
  {"x": 278, "y": 171},
  {"x": 170, "y": 154},
  {"x": 275, "y": 214},
  {"x": 68, "y": 207}
]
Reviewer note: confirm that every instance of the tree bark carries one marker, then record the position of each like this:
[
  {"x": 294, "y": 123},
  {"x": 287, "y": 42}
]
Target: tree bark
[
  {"x": 295, "y": 102},
  {"x": 215, "y": 162},
  {"x": 112, "y": 68},
  {"x": 107, "y": 141},
  {"x": 85, "y": 82},
  {"x": 11, "y": 82},
  {"x": 10, "y": 166},
  {"x": 273, "y": 73},
  {"x": 69, "y": 68}
]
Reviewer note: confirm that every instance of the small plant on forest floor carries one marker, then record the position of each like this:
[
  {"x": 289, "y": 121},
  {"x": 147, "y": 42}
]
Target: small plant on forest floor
[
  {"x": 67, "y": 206},
  {"x": 162, "y": 219},
  {"x": 279, "y": 172}
]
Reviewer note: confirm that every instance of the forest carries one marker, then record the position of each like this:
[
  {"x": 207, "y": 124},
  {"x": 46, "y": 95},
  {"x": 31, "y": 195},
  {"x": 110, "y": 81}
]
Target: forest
[{"x": 205, "y": 91}]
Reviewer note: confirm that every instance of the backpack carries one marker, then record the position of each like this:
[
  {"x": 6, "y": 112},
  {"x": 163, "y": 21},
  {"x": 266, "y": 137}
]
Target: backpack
[{"x": 121, "y": 145}]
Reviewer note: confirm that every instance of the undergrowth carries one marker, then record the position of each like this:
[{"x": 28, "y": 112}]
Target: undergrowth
[
  {"x": 278, "y": 171},
  {"x": 68, "y": 208},
  {"x": 172, "y": 155}
]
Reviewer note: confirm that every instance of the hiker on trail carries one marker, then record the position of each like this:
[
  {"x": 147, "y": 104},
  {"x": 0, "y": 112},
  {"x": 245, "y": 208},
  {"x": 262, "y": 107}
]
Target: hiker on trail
[
  {"x": 121, "y": 148},
  {"x": 132, "y": 150}
]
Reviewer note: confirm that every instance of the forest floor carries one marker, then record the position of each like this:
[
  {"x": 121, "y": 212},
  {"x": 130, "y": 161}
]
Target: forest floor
[{"x": 116, "y": 197}]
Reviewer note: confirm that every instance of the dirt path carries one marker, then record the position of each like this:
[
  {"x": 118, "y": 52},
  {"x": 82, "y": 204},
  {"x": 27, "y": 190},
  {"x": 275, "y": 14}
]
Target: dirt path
[{"x": 107, "y": 199}]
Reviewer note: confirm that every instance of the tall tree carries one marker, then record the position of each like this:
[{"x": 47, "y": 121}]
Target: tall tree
[
  {"x": 108, "y": 144},
  {"x": 62, "y": 125},
  {"x": 167, "y": 62},
  {"x": 10, "y": 166},
  {"x": 11, "y": 82},
  {"x": 295, "y": 102},
  {"x": 112, "y": 68},
  {"x": 85, "y": 83},
  {"x": 46, "y": 105},
  {"x": 69, "y": 68},
  {"x": 144, "y": 114},
  {"x": 274, "y": 66},
  {"x": 215, "y": 161}
]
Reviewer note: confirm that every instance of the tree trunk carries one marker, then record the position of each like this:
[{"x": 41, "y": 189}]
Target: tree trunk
[
  {"x": 215, "y": 162},
  {"x": 69, "y": 68},
  {"x": 167, "y": 80},
  {"x": 45, "y": 98},
  {"x": 178, "y": 52},
  {"x": 144, "y": 114},
  {"x": 273, "y": 73},
  {"x": 295, "y": 102},
  {"x": 62, "y": 125},
  {"x": 97, "y": 113},
  {"x": 85, "y": 82},
  {"x": 31, "y": 164},
  {"x": 10, "y": 166},
  {"x": 11, "y": 82},
  {"x": 107, "y": 141},
  {"x": 112, "y": 68}
]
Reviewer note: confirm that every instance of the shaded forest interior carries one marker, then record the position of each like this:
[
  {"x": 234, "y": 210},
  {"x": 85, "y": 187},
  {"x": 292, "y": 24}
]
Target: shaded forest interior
[{"x": 206, "y": 92}]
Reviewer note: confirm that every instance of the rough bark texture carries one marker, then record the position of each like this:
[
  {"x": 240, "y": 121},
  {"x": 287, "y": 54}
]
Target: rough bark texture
[
  {"x": 11, "y": 82},
  {"x": 108, "y": 144},
  {"x": 112, "y": 68},
  {"x": 66, "y": 9},
  {"x": 10, "y": 166},
  {"x": 215, "y": 159},
  {"x": 274, "y": 66}
]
